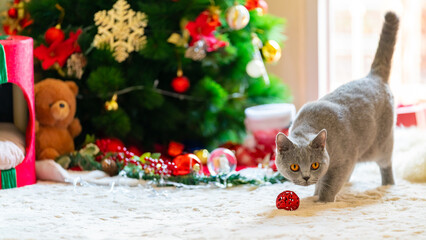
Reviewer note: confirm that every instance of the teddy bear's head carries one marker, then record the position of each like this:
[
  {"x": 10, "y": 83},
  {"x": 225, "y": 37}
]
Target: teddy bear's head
[{"x": 55, "y": 103}]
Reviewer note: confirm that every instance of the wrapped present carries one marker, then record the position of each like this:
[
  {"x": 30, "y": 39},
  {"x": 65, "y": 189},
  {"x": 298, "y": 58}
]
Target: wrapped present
[{"x": 411, "y": 115}]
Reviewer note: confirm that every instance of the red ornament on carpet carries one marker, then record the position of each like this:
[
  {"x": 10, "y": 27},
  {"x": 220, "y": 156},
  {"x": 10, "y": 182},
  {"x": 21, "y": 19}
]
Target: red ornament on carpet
[
  {"x": 288, "y": 200},
  {"x": 54, "y": 34},
  {"x": 186, "y": 163},
  {"x": 180, "y": 84}
]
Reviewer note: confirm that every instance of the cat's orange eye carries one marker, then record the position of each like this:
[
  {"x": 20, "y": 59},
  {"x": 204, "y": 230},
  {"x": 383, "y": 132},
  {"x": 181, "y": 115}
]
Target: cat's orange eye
[
  {"x": 294, "y": 167},
  {"x": 315, "y": 165}
]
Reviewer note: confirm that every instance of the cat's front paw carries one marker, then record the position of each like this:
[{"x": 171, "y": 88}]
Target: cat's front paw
[{"x": 325, "y": 198}]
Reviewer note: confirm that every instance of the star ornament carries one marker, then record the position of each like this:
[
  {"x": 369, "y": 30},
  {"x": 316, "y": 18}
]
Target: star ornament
[{"x": 122, "y": 29}]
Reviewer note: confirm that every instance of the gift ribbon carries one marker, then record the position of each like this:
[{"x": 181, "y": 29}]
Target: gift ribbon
[
  {"x": 8, "y": 178},
  {"x": 3, "y": 68}
]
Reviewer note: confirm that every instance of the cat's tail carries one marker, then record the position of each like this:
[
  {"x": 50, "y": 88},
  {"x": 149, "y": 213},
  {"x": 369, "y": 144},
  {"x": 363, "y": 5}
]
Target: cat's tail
[{"x": 382, "y": 61}]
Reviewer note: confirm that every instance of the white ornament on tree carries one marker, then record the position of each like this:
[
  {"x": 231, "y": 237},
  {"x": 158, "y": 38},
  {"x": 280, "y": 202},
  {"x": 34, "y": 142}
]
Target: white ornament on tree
[
  {"x": 122, "y": 29},
  {"x": 237, "y": 17},
  {"x": 255, "y": 68}
]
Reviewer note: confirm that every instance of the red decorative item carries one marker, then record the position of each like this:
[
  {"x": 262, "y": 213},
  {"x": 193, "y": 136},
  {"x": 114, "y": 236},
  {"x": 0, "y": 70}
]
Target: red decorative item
[
  {"x": 175, "y": 148},
  {"x": 185, "y": 164},
  {"x": 19, "y": 62},
  {"x": 110, "y": 145},
  {"x": 288, "y": 200},
  {"x": 54, "y": 34},
  {"x": 253, "y": 4},
  {"x": 58, "y": 52},
  {"x": 12, "y": 13},
  {"x": 159, "y": 166},
  {"x": 202, "y": 29},
  {"x": 180, "y": 84}
]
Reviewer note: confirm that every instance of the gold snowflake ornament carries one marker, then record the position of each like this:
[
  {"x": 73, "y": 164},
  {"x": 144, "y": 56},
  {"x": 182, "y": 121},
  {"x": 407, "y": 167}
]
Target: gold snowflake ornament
[{"x": 122, "y": 29}]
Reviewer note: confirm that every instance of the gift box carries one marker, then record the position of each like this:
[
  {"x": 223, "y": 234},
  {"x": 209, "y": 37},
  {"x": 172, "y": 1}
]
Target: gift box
[
  {"x": 18, "y": 57},
  {"x": 263, "y": 123},
  {"x": 411, "y": 115}
]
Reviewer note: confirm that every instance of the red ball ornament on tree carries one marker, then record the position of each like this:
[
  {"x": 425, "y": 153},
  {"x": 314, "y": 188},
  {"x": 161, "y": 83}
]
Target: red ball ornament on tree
[
  {"x": 54, "y": 34},
  {"x": 186, "y": 163},
  {"x": 180, "y": 84},
  {"x": 288, "y": 200},
  {"x": 12, "y": 13}
]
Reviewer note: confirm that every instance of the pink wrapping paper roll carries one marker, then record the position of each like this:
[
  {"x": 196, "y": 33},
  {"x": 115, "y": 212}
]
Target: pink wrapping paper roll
[{"x": 20, "y": 71}]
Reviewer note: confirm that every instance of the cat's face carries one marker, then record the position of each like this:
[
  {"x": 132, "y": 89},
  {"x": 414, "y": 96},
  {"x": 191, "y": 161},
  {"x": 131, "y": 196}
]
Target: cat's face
[{"x": 303, "y": 165}]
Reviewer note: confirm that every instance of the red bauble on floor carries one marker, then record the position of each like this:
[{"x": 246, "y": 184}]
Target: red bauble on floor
[{"x": 288, "y": 200}]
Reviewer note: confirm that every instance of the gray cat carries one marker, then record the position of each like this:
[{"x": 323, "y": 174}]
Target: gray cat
[{"x": 352, "y": 124}]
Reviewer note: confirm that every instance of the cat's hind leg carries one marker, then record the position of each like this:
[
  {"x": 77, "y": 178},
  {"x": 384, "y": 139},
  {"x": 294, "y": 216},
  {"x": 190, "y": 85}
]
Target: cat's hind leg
[{"x": 385, "y": 164}]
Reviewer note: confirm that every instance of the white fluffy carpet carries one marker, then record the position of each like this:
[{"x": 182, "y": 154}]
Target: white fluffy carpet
[{"x": 364, "y": 209}]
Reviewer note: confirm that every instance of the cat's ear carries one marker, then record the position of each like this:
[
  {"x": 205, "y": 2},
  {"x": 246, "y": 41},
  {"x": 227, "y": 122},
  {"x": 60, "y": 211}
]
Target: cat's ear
[
  {"x": 320, "y": 140},
  {"x": 283, "y": 143}
]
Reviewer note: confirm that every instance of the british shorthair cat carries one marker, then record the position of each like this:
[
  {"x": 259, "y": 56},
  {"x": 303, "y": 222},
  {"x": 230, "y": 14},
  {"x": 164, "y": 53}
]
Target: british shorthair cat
[{"x": 352, "y": 124}]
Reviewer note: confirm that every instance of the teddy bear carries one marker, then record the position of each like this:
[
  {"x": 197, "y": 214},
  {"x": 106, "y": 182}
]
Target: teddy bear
[{"x": 56, "y": 127}]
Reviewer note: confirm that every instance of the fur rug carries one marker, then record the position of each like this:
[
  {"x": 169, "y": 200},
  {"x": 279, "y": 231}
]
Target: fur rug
[{"x": 363, "y": 208}]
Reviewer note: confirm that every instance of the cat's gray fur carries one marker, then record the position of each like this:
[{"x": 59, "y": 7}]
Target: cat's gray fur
[{"x": 352, "y": 124}]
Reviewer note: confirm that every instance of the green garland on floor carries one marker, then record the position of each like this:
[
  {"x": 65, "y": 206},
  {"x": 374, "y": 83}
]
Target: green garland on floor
[
  {"x": 85, "y": 159},
  {"x": 232, "y": 179}
]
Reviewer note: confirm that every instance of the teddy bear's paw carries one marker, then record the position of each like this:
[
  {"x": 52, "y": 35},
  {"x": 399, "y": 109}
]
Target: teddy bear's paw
[{"x": 48, "y": 153}]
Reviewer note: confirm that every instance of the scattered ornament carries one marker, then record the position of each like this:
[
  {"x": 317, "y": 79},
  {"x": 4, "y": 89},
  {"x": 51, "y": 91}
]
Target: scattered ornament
[
  {"x": 271, "y": 51},
  {"x": 180, "y": 84},
  {"x": 288, "y": 200},
  {"x": 109, "y": 166},
  {"x": 121, "y": 29},
  {"x": 237, "y": 17},
  {"x": 54, "y": 34},
  {"x": 186, "y": 164},
  {"x": 175, "y": 148},
  {"x": 203, "y": 155},
  {"x": 197, "y": 52},
  {"x": 76, "y": 64},
  {"x": 221, "y": 161},
  {"x": 112, "y": 104}
]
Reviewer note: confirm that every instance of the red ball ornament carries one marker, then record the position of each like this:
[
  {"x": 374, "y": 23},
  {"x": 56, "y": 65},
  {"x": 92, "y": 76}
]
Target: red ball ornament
[
  {"x": 175, "y": 148},
  {"x": 180, "y": 84},
  {"x": 288, "y": 200},
  {"x": 12, "y": 13},
  {"x": 186, "y": 163},
  {"x": 54, "y": 34}
]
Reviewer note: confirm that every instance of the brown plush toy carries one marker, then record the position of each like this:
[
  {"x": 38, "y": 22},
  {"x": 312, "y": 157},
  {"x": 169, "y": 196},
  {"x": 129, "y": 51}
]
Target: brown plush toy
[{"x": 56, "y": 127}]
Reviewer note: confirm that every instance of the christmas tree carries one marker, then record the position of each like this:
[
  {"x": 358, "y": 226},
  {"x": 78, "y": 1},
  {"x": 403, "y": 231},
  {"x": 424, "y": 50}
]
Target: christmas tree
[{"x": 157, "y": 71}]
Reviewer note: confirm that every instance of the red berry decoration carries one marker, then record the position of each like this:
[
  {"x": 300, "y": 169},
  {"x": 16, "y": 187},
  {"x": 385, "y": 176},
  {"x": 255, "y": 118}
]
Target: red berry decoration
[
  {"x": 288, "y": 200},
  {"x": 180, "y": 84},
  {"x": 12, "y": 13},
  {"x": 54, "y": 34}
]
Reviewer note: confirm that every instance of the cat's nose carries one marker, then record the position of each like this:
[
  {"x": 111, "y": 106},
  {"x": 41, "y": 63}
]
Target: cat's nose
[{"x": 306, "y": 178}]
